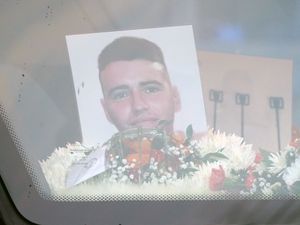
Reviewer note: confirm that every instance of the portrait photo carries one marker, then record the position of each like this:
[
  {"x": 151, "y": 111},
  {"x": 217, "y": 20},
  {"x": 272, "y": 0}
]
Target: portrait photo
[{"x": 162, "y": 82}]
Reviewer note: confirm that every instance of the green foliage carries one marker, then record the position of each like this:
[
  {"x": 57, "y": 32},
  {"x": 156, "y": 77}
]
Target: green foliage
[
  {"x": 212, "y": 157},
  {"x": 233, "y": 184},
  {"x": 290, "y": 158},
  {"x": 265, "y": 155},
  {"x": 186, "y": 172},
  {"x": 158, "y": 142},
  {"x": 189, "y": 132}
]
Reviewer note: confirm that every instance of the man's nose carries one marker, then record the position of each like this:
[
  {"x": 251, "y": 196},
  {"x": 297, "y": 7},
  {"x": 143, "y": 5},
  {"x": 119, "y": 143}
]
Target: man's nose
[{"x": 139, "y": 103}]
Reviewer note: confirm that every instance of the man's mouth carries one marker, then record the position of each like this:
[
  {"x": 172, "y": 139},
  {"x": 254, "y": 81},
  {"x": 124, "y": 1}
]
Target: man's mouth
[{"x": 145, "y": 123}]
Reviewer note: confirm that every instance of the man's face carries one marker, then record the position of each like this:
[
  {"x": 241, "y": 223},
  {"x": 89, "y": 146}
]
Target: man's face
[{"x": 138, "y": 93}]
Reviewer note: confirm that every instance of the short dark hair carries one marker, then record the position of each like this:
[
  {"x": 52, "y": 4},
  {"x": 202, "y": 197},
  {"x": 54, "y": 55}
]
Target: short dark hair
[{"x": 130, "y": 48}]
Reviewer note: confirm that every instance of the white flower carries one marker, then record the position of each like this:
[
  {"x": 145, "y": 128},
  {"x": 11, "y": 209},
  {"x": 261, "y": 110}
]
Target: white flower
[
  {"x": 278, "y": 162},
  {"x": 174, "y": 175},
  {"x": 152, "y": 160},
  {"x": 261, "y": 184},
  {"x": 56, "y": 166},
  {"x": 183, "y": 166},
  {"x": 239, "y": 154},
  {"x": 176, "y": 152},
  {"x": 162, "y": 179},
  {"x": 114, "y": 164},
  {"x": 124, "y": 178},
  {"x": 292, "y": 174},
  {"x": 212, "y": 142},
  {"x": 169, "y": 175},
  {"x": 202, "y": 176}
]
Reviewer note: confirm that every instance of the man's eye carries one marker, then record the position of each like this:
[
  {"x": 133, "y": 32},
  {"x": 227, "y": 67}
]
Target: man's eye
[
  {"x": 152, "y": 89},
  {"x": 119, "y": 95}
]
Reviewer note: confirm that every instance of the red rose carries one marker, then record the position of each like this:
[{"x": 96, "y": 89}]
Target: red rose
[
  {"x": 250, "y": 179},
  {"x": 258, "y": 158},
  {"x": 216, "y": 180}
]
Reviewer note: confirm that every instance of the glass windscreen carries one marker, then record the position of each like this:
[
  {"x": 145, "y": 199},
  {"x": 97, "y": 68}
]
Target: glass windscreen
[{"x": 109, "y": 101}]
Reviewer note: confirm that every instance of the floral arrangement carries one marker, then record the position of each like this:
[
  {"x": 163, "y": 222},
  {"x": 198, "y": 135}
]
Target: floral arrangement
[{"x": 212, "y": 163}]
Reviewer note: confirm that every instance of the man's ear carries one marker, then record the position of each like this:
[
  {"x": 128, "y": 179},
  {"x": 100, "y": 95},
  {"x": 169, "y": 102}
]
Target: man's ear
[
  {"x": 104, "y": 106},
  {"x": 176, "y": 99}
]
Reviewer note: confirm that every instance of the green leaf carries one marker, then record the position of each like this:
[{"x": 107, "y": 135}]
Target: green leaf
[
  {"x": 189, "y": 132},
  {"x": 187, "y": 141},
  {"x": 186, "y": 172},
  {"x": 233, "y": 184},
  {"x": 290, "y": 158},
  {"x": 157, "y": 142},
  {"x": 212, "y": 157},
  {"x": 221, "y": 150},
  {"x": 265, "y": 155},
  {"x": 280, "y": 189}
]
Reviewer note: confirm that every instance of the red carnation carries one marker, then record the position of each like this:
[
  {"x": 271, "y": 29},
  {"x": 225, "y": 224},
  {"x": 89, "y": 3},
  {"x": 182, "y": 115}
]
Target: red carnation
[
  {"x": 250, "y": 179},
  {"x": 258, "y": 158},
  {"x": 216, "y": 180}
]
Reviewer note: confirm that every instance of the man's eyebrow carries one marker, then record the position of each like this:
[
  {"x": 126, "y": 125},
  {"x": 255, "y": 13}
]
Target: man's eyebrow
[
  {"x": 117, "y": 88},
  {"x": 149, "y": 82}
]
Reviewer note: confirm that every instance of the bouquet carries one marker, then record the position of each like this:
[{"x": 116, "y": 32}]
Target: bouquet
[{"x": 213, "y": 163}]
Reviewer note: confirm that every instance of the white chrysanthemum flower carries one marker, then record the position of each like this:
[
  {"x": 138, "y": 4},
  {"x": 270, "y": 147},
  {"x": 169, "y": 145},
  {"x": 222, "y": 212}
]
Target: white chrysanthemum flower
[
  {"x": 239, "y": 154},
  {"x": 292, "y": 173},
  {"x": 56, "y": 166},
  {"x": 202, "y": 176},
  {"x": 278, "y": 162},
  {"x": 212, "y": 142},
  {"x": 279, "y": 159}
]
